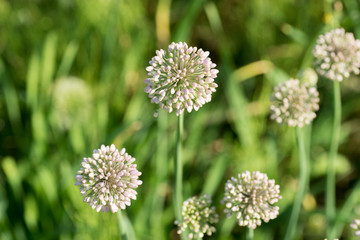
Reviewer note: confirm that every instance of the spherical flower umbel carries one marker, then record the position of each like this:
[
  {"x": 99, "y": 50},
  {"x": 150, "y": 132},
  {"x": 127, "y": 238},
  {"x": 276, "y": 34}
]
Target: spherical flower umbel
[
  {"x": 108, "y": 179},
  {"x": 251, "y": 197},
  {"x": 294, "y": 104},
  {"x": 337, "y": 55},
  {"x": 181, "y": 78},
  {"x": 356, "y": 226},
  {"x": 198, "y": 217}
]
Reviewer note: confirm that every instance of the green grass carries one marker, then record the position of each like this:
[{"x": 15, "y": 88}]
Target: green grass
[{"x": 256, "y": 44}]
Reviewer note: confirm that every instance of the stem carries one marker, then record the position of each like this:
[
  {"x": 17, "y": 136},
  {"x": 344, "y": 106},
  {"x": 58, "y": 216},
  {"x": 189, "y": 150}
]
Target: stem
[
  {"x": 178, "y": 168},
  {"x": 303, "y": 180},
  {"x": 328, "y": 6},
  {"x": 121, "y": 226},
  {"x": 331, "y": 184},
  {"x": 249, "y": 233},
  {"x": 161, "y": 170}
]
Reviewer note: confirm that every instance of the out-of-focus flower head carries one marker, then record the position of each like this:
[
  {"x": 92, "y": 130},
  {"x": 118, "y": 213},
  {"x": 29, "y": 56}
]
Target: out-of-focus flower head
[
  {"x": 251, "y": 198},
  {"x": 181, "y": 78},
  {"x": 309, "y": 76},
  {"x": 108, "y": 179},
  {"x": 198, "y": 217},
  {"x": 294, "y": 104},
  {"x": 337, "y": 55},
  {"x": 72, "y": 101}
]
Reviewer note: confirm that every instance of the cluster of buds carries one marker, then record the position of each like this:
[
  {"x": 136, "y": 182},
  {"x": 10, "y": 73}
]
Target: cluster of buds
[
  {"x": 337, "y": 55},
  {"x": 198, "y": 217},
  {"x": 294, "y": 104},
  {"x": 251, "y": 197},
  {"x": 181, "y": 78},
  {"x": 108, "y": 179}
]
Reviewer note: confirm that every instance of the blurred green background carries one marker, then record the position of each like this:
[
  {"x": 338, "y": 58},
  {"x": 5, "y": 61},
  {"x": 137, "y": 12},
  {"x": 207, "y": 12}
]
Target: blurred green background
[{"x": 72, "y": 78}]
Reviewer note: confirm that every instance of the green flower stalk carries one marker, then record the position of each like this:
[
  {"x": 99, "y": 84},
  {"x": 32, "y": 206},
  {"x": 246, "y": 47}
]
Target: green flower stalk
[
  {"x": 198, "y": 217},
  {"x": 251, "y": 197},
  {"x": 337, "y": 56},
  {"x": 295, "y": 104},
  {"x": 179, "y": 168},
  {"x": 250, "y": 234}
]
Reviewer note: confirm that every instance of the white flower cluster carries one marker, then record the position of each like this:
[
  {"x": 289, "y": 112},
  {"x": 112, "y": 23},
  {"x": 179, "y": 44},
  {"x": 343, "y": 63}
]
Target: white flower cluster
[
  {"x": 294, "y": 104},
  {"x": 198, "y": 216},
  {"x": 181, "y": 78},
  {"x": 356, "y": 226},
  {"x": 251, "y": 197},
  {"x": 107, "y": 179},
  {"x": 337, "y": 55}
]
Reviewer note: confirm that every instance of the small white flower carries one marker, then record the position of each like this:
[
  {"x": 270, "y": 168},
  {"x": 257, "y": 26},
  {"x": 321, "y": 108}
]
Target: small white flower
[
  {"x": 108, "y": 179},
  {"x": 181, "y": 78},
  {"x": 337, "y": 55}
]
